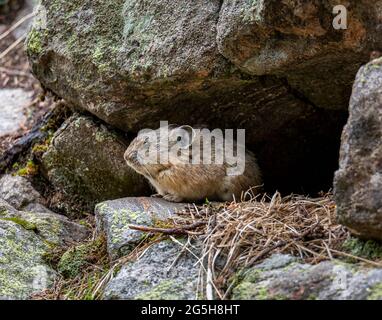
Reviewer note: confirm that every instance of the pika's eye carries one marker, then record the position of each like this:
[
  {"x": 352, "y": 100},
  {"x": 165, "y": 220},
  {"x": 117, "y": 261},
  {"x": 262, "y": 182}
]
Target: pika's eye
[
  {"x": 178, "y": 138},
  {"x": 146, "y": 142}
]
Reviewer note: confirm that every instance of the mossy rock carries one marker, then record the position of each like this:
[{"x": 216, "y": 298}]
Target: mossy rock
[
  {"x": 74, "y": 261},
  {"x": 23, "y": 271},
  {"x": 85, "y": 160},
  {"x": 154, "y": 276}
]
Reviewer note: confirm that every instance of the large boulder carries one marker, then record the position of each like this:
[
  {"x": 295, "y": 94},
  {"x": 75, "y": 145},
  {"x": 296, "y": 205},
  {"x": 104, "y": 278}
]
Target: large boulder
[
  {"x": 297, "y": 40},
  {"x": 283, "y": 277},
  {"x": 358, "y": 182},
  {"x": 85, "y": 159},
  {"x": 133, "y": 63}
]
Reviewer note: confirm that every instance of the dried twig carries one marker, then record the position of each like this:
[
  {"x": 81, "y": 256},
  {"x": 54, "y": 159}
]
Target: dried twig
[
  {"x": 14, "y": 72},
  {"x": 179, "y": 230},
  {"x": 12, "y": 46}
]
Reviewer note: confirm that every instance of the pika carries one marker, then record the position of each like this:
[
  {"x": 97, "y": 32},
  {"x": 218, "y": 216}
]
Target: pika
[{"x": 183, "y": 165}]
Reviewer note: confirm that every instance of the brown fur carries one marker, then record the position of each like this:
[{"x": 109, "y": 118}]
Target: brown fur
[{"x": 182, "y": 181}]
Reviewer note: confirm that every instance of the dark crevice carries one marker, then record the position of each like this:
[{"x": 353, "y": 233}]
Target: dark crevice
[{"x": 219, "y": 10}]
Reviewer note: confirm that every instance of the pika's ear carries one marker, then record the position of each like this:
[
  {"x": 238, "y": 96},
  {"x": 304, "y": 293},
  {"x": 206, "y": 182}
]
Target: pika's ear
[{"x": 184, "y": 135}]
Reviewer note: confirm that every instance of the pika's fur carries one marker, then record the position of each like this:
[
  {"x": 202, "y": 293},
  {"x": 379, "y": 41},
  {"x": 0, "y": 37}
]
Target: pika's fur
[{"x": 179, "y": 180}]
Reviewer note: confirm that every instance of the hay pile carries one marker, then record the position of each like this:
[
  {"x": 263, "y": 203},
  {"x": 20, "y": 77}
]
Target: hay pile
[{"x": 241, "y": 234}]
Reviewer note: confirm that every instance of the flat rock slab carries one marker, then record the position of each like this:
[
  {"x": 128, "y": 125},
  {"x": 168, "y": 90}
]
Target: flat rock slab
[
  {"x": 155, "y": 276},
  {"x": 113, "y": 218},
  {"x": 283, "y": 277},
  {"x": 12, "y": 104}
]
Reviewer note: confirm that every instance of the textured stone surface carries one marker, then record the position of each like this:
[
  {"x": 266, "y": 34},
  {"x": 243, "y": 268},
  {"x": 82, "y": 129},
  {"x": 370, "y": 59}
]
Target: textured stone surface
[
  {"x": 296, "y": 39},
  {"x": 86, "y": 159},
  {"x": 12, "y": 104},
  {"x": 23, "y": 271},
  {"x": 25, "y": 238},
  {"x": 27, "y": 231},
  {"x": 284, "y": 278},
  {"x": 54, "y": 228},
  {"x": 113, "y": 218},
  {"x": 159, "y": 60},
  {"x": 153, "y": 278},
  {"x": 18, "y": 192},
  {"x": 358, "y": 182}
]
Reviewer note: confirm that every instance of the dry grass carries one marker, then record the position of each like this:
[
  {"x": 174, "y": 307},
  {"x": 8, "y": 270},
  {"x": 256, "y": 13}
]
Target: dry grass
[{"x": 241, "y": 234}]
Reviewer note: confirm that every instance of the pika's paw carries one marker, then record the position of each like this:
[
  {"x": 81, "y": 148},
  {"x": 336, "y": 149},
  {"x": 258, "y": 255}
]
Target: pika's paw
[
  {"x": 172, "y": 198},
  {"x": 156, "y": 195}
]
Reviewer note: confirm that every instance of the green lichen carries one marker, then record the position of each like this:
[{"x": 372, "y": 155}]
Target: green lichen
[
  {"x": 34, "y": 42},
  {"x": 24, "y": 223},
  {"x": 249, "y": 291},
  {"x": 21, "y": 253},
  {"x": 253, "y": 291},
  {"x": 369, "y": 249},
  {"x": 375, "y": 292},
  {"x": 165, "y": 290}
]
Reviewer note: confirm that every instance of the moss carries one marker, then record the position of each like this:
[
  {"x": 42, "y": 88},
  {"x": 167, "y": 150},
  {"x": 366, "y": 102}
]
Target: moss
[
  {"x": 25, "y": 224},
  {"x": 40, "y": 148},
  {"x": 30, "y": 169},
  {"x": 369, "y": 249},
  {"x": 165, "y": 290},
  {"x": 75, "y": 260},
  {"x": 53, "y": 254},
  {"x": 34, "y": 42},
  {"x": 375, "y": 292}
]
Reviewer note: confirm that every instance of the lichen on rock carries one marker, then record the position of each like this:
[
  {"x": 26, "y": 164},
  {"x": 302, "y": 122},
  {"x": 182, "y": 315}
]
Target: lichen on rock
[
  {"x": 22, "y": 269},
  {"x": 113, "y": 219},
  {"x": 154, "y": 277},
  {"x": 283, "y": 277}
]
